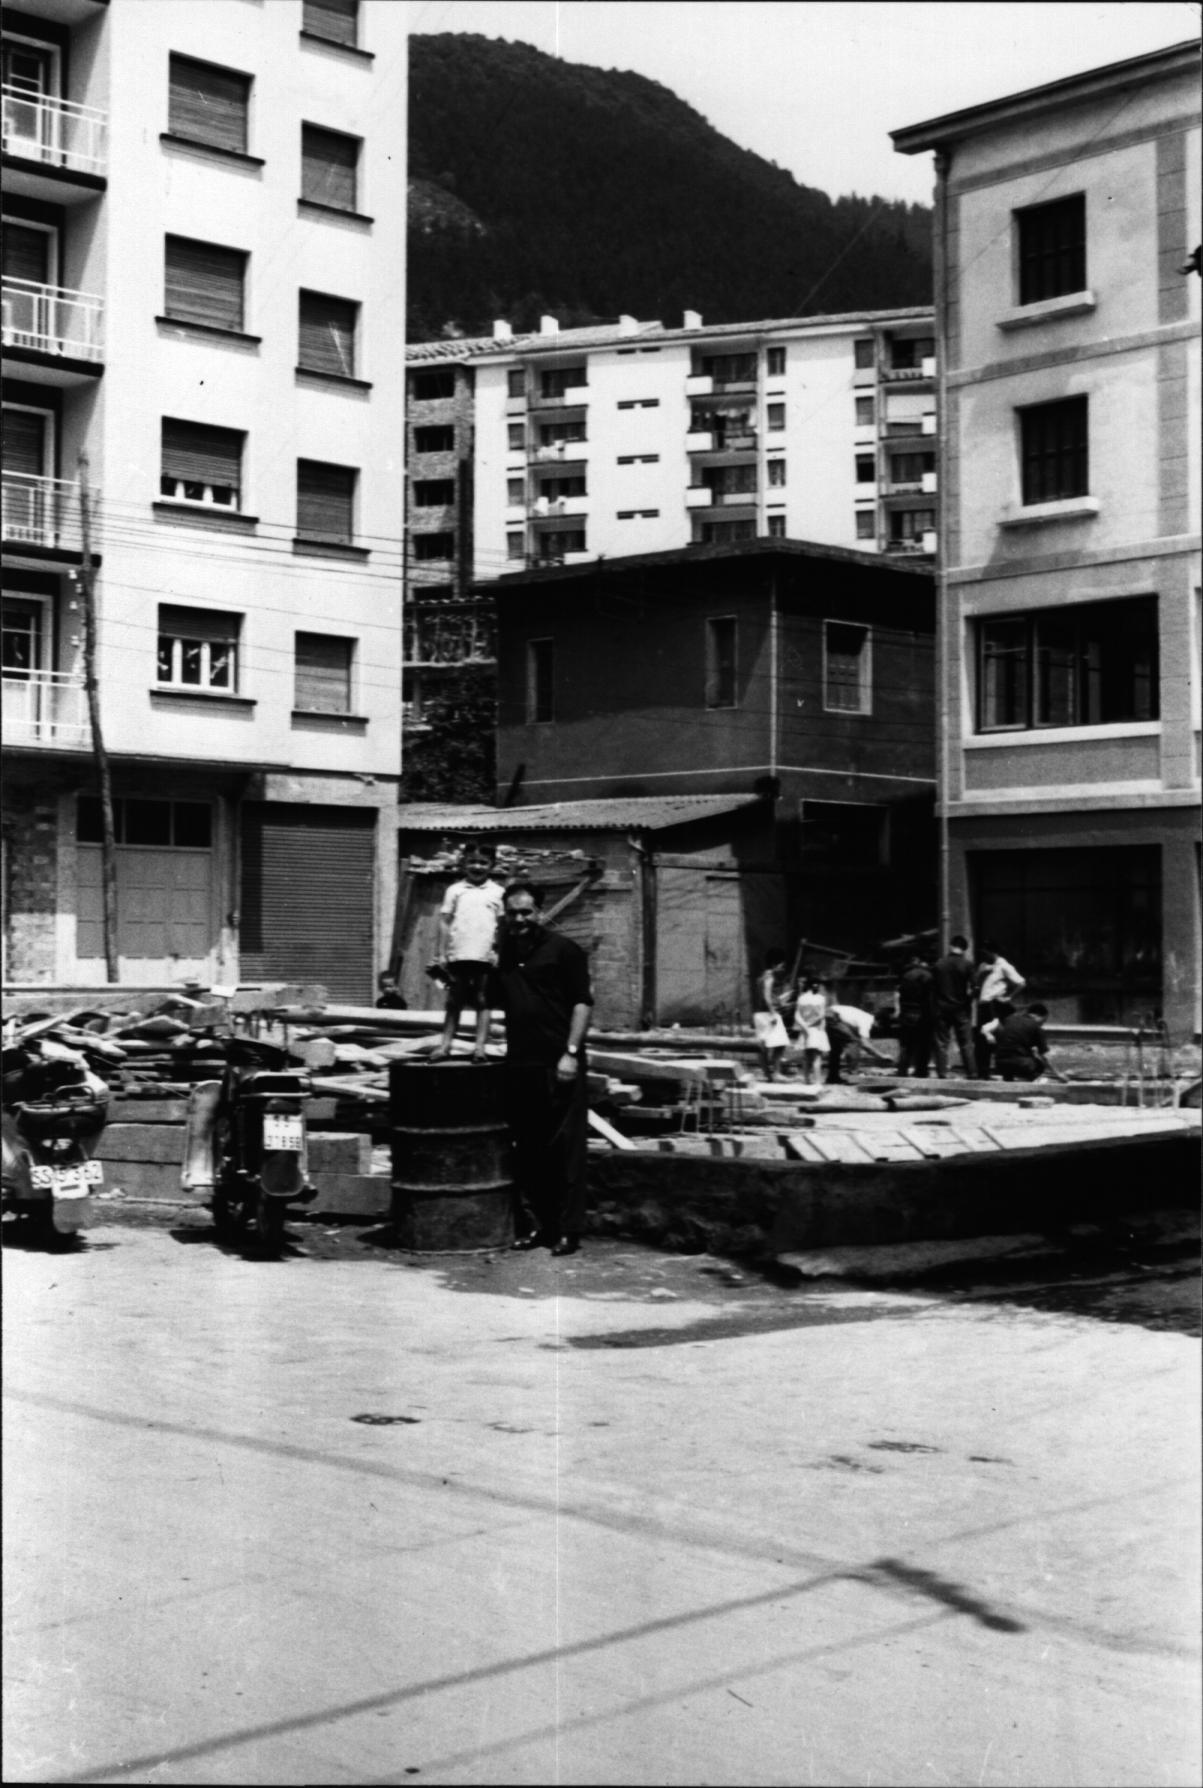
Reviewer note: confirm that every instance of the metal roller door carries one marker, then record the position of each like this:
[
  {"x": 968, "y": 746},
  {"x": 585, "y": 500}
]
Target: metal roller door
[{"x": 308, "y": 897}]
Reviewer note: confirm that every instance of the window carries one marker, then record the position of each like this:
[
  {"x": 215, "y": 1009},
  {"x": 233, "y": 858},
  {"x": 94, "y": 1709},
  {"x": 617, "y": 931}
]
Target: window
[
  {"x": 864, "y": 412},
  {"x": 20, "y": 638},
  {"x": 775, "y": 362},
  {"x": 909, "y": 352},
  {"x": 866, "y": 468},
  {"x": 515, "y": 491},
  {"x": 434, "y": 493},
  {"x": 517, "y": 436},
  {"x": 207, "y": 104},
  {"x": 201, "y": 464},
  {"x": 539, "y": 667},
  {"x": 639, "y": 403},
  {"x": 639, "y": 459},
  {"x": 515, "y": 544},
  {"x": 724, "y": 532},
  {"x": 434, "y": 546},
  {"x": 862, "y": 353},
  {"x": 329, "y": 168},
  {"x": 776, "y": 416},
  {"x": 776, "y": 527},
  {"x": 188, "y": 825},
  {"x": 434, "y": 440},
  {"x": 866, "y": 525},
  {"x": 729, "y": 369},
  {"x": 776, "y": 472},
  {"x": 846, "y": 668},
  {"x": 326, "y": 334},
  {"x": 326, "y": 502},
  {"x": 1055, "y": 460},
  {"x": 1088, "y": 664},
  {"x": 571, "y": 486},
  {"x": 720, "y": 661},
  {"x": 434, "y": 384},
  {"x": 198, "y": 648},
  {"x": 1052, "y": 249},
  {"x": 203, "y": 283},
  {"x": 730, "y": 482},
  {"x": 515, "y": 381},
  {"x": 637, "y": 514},
  {"x": 911, "y": 524},
  {"x": 561, "y": 379},
  {"x": 552, "y": 433},
  {"x": 908, "y": 468},
  {"x": 557, "y": 543},
  {"x": 323, "y": 674},
  {"x": 335, "y": 20}
]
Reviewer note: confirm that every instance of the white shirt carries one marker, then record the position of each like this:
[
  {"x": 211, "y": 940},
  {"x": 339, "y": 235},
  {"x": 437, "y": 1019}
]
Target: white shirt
[
  {"x": 470, "y": 913},
  {"x": 998, "y": 980},
  {"x": 854, "y": 1018}
]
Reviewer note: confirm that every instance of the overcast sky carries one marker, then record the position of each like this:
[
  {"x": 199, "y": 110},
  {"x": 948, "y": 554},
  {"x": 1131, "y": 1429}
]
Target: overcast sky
[{"x": 816, "y": 85}]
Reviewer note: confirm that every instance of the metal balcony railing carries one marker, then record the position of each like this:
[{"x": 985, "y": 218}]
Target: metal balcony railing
[
  {"x": 51, "y": 319},
  {"x": 45, "y": 708},
  {"x": 39, "y": 127},
  {"x": 40, "y": 512}
]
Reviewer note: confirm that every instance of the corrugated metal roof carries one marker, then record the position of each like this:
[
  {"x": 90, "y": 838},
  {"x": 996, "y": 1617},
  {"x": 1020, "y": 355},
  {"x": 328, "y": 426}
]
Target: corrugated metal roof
[
  {"x": 700, "y": 552},
  {"x": 618, "y": 813}
]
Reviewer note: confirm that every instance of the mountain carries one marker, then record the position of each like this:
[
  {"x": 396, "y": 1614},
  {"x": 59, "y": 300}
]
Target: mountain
[{"x": 540, "y": 186}]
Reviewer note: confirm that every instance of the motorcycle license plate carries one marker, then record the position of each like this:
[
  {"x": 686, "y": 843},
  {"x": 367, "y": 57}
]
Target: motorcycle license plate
[
  {"x": 68, "y": 1182},
  {"x": 282, "y": 1132}
]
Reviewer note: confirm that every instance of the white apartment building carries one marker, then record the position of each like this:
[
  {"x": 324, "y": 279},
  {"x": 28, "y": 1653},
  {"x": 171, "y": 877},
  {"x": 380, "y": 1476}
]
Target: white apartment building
[
  {"x": 1068, "y": 222},
  {"x": 203, "y": 296}
]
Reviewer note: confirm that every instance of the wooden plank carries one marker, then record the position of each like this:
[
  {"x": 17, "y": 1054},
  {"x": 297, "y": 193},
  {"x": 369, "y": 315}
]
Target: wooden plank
[
  {"x": 799, "y": 1145},
  {"x": 606, "y": 1129},
  {"x": 936, "y": 1143},
  {"x": 888, "y": 1145},
  {"x": 148, "y": 1111},
  {"x": 839, "y": 1145},
  {"x": 973, "y": 1138}
]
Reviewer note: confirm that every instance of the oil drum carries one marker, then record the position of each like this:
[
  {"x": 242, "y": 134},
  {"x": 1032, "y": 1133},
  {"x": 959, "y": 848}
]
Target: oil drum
[{"x": 452, "y": 1182}]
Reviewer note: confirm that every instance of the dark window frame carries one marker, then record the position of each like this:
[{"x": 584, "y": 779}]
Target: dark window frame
[
  {"x": 1069, "y": 666},
  {"x": 722, "y": 661},
  {"x": 1054, "y": 450},
  {"x": 540, "y": 681},
  {"x": 323, "y": 679},
  {"x": 1050, "y": 248},
  {"x": 838, "y": 682}
]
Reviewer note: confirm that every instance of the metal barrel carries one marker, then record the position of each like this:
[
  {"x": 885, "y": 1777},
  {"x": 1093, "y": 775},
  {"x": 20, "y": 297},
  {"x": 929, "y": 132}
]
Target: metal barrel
[{"x": 452, "y": 1183}]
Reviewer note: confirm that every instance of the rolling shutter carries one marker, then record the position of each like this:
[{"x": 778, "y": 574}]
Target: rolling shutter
[
  {"x": 308, "y": 880},
  {"x": 200, "y": 454},
  {"x": 204, "y": 283},
  {"x": 325, "y": 502},
  {"x": 335, "y": 20},
  {"x": 24, "y": 443},
  {"x": 208, "y": 104},
  {"x": 327, "y": 334},
  {"x": 26, "y": 253},
  {"x": 328, "y": 165},
  {"x": 323, "y": 674}
]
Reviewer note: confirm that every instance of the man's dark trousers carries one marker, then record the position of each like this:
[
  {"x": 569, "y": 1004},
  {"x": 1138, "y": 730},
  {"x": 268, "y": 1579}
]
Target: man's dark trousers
[{"x": 549, "y": 1122}]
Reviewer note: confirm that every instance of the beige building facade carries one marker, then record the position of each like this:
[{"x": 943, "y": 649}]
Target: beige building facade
[{"x": 1068, "y": 326}]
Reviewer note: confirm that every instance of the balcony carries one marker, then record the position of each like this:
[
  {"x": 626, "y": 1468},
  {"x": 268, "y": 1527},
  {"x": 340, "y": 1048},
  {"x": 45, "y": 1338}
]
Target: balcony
[
  {"x": 571, "y": 398},
  {"x": 699, "y": 441},
  {"x": 699, "y": 385},
  {"x": 40, "y": 325},
  {"x": 924, "y": 373},
  {"x": 64, "y": 146},
  {"x": 45, "y": 708},
  {"x": 705, "y": 496},
  {"x": 930, "y": 483},
  {"x": 40, "y": 512},
  {"x": 542, "y": 508},
  {"x": 556, "y": 452}
]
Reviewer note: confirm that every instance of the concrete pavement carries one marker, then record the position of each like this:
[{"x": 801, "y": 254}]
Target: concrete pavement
[{"x": 364, "y": 1522}]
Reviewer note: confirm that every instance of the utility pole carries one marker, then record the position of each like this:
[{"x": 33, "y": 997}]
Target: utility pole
[{"x": 108, "y": 842}]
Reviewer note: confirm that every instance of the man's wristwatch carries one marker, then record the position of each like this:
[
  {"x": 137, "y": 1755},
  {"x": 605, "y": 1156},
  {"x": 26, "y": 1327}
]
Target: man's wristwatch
[{"x": 572, "y": 1049}]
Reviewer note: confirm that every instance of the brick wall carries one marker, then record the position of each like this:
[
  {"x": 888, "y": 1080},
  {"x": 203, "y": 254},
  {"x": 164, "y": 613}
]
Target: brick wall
[{"x": 30, "y": 884}]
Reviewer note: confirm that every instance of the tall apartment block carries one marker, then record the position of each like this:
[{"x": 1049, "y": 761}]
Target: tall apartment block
[
  {"x": 203, "y": 302},
  {"x": 1067, "y": 258},
  {"x": 571, "y": 445}
]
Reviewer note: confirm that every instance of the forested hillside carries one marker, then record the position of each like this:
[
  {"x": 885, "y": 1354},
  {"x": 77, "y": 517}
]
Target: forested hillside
[{"x": 544, "y": 186}]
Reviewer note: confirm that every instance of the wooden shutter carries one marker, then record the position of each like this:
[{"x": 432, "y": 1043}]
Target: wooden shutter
[
  {"x": 26, "y": 253},
  {"x": 327, "y": 334},
  {"x": 323, "y": 674},
  {"x": 328, "y": 165},
  {"x": 307, "y": 895},
  {"x": 336, "y": 20},
  {"x": 200, "y": 454},
  {"x": 325, "y": 501},
  {"x": 25, "y": 442},
  {"x": 204, "y": 283},
  {"x": 198, "y": 623},
  {"x": 208, "y": 104}
]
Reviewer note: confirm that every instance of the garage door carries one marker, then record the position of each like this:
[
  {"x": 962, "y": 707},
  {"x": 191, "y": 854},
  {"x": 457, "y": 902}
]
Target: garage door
[{"x": 308, "y": 897}]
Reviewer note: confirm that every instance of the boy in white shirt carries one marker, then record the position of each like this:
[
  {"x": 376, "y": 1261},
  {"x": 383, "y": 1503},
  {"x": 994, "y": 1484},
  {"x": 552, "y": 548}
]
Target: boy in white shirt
[{"x": 468, "y": 921}]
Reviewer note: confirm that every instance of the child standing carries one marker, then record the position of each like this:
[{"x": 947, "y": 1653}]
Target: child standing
[
  {"x": 773, "y": 997},
  {"x": 468, "y": 923}
]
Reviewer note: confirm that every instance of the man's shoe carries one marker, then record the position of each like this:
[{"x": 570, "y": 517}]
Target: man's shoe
[
  {"x": 525, "y": 1242},
  {"x": 569, "y": 1244}
]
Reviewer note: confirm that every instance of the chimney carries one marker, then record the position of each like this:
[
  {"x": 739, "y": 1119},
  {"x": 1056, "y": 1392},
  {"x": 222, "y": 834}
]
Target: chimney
[
  {"x": 628, "y": 325},
  {"x": 548, "y": 326},
  {"x": 502, "y": 331},
  {"x": 693, "y": 320}
]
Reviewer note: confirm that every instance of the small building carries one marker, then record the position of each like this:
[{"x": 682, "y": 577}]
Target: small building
[{"x": 1068, "y": 305}]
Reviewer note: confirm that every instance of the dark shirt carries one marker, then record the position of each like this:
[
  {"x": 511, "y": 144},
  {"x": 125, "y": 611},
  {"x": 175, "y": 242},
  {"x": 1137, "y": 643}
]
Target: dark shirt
[
  {"x": 916, "y": 995},
  {"x": 954, "y": 976},
  {"x": 1019, "y": 1038},
  {"x": 393, "y": 1001},
  {"x": 537, "y": 988}
]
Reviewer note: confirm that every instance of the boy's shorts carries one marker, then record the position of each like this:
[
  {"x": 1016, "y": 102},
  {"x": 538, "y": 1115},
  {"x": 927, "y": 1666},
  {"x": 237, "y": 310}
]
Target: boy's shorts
[{"x": 468, "y": 982}]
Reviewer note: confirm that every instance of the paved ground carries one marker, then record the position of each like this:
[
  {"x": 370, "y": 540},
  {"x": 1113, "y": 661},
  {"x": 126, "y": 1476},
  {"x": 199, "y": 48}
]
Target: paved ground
[{"x": 625, "y": 1518}]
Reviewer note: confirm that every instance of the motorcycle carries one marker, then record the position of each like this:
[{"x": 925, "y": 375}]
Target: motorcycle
[
  {"x": 245, "y": 1143},
  {"x": 54, "y": 1111}
]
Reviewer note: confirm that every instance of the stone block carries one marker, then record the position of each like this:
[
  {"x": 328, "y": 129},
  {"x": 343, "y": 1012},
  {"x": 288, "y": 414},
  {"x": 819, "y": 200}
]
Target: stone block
[
  {"x": 340, "y": 1152},
  {"x": 142, "y": 1143},
  {"x": 351, "y": 1195}
]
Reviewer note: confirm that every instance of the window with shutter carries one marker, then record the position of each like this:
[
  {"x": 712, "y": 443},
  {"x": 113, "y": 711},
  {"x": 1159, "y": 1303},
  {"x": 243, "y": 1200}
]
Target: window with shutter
[
  {"x": 335, "y": 20},
  {"x": 201, "y": 464},
  {"x": 323, "y": 674},
  {"x": 204, "y": 283},
  {"x": 28, "y": 253},
  {"x": 327, "y": 334},
  {"x": 325, "y": 502},
  {"x": 208, "y": 104},
  {"x": 23, "y": 445},
  {"x": 198, "y": 648},
  {"x": 846, "y": 668},
  {"x": 329, "y": 164}
]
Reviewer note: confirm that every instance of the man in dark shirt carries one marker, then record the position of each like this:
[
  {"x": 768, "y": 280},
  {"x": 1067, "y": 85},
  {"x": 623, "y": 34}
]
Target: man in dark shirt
[
  {"x": 954, "y": 982},
  {"x": 916, "y": 1018},
  {"x": 541, "y": 983},
  {"x": 1020, "y": 1049}
]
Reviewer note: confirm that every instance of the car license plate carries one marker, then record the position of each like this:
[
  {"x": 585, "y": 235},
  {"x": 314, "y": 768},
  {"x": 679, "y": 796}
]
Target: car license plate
[
  {"x": 282, "y": 1132},
  {"x": 68, "y": 1182}
]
